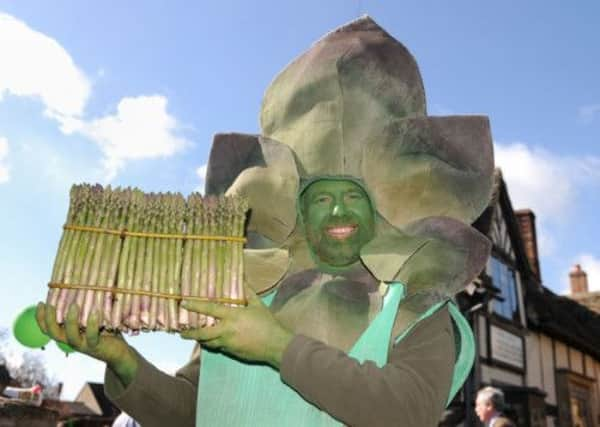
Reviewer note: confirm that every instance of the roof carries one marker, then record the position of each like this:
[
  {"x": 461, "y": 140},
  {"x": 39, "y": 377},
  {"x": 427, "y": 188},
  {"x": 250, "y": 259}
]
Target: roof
[
  {"x": 590, "y": 299},
  {"x": 67, "y": 409},
  {"x": 106, "y": 406},
  {"x": 565, "y": 319},
  {"x": 25, "y": 411}
]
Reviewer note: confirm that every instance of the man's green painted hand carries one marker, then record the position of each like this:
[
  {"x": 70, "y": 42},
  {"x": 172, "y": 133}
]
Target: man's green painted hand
[
  {"x": 109, "y": 348},
  {"x": 250, "y": 333}
]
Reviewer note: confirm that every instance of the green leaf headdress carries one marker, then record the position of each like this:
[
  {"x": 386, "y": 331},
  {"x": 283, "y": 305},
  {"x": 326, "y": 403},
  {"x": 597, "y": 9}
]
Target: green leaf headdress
[{"x": 353, "y": 105}]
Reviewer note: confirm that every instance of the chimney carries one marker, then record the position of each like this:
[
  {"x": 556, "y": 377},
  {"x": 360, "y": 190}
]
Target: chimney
[
  {"x": 526, "y": 219},
  {"x": 578, "y": 279}
]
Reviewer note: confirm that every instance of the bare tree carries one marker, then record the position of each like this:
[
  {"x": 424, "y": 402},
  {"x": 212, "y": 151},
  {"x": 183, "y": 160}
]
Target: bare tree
[
  {"x": 31, "y": 369},
  {"x": 3, "y": 339}
]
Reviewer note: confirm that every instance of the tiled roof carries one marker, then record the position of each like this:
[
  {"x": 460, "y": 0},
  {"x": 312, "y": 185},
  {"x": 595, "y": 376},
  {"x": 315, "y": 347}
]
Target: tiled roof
[
  {"x": 590, "y": 299},
  {"x": 565, "y": 319}
]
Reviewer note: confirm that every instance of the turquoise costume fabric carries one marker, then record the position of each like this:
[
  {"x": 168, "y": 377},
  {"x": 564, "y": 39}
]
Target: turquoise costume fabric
[{"x": 247, "y": 394}]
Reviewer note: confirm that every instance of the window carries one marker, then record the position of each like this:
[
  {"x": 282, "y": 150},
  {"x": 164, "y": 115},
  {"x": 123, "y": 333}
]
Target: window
[
  {"x": 580, "y": 405},
  {"x": 577, "y": 394},
  {"x": 503, "y": 278}
]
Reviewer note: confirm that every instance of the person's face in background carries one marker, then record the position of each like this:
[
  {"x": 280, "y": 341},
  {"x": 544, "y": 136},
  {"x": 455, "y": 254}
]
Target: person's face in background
[
  {"x": 483, "y": 408},
  {"x": 338, "y": 219}
]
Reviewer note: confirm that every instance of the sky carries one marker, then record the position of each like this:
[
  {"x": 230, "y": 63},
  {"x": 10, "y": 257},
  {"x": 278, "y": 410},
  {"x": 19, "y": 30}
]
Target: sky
[{"x": 131, "y": 93}]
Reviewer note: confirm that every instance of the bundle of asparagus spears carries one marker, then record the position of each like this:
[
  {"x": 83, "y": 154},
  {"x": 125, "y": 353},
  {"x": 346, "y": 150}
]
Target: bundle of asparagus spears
[{"x": 131, "y": 257}]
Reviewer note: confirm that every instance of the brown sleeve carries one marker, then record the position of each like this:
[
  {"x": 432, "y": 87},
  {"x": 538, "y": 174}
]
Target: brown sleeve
[
  {"x": 154, "y": 398},
  {"x": 503, "y": 422},
  {"x": 411, "y": 389}
]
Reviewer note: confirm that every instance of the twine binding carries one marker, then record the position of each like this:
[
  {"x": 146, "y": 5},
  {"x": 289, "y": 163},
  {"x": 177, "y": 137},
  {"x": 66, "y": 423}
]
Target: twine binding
[
  {"x": 123, "y": 233},
  {"x": 114, "y": 290}
]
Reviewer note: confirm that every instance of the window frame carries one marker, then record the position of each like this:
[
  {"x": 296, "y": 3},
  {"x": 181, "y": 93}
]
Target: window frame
[{"x": 500, "y": 299}]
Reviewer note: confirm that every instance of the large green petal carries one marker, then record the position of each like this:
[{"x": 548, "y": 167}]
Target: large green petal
[
  {"x": 437, "y": 256},
  {"x": 230, "y": 154},
  {"x": 430, "y": 166},
  {"x": 389, "y": 252},
  {"x": 302, "y": 257},
  {"x": 262, "y": 170},
  {"x": 264, "y": 268},
  {"x": 326, "y": 102},
  {"x": 454, "y": 255}
]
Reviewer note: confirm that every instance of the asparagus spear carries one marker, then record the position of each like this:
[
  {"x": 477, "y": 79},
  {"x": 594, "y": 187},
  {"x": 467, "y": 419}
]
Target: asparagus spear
[
  {"x": 180, "y": 245},
  {"x": 227, "y": 245},
  {"x": 133, "y": 314},
  {"x": 175, "y": 246},
  {"x": 80, "y": 247},
  {"x": 60, "y": 298},
  {"x": 240, "y": 248},
  {"x": 138, "y": 199},
  {"x": 64, "y": 245},
  {"x": 148, "y": 263},
  {"x": 123, "y": 200},
  {"x": 87, "y": 247},
  {"x": 177, "y": 229},
  {"x": 117, "y": 308},
  {"x": 186, "y": 273},
  {"x": 201, "y": 258},
  {"x": 106, "y": 252},
  {"x": 162, "y": 318},
  {"x": 154, "y": 302},
  {"x": 233, "y": 291},
  {"x": 167, "y": 267},
  {"x": 87, "y": 299},
  {"x": 219, "y": 246},
  {"x": 212, "y": 254},
  {"x": 88, "y": 244},
  {"x": 170, "y": 304},
  {"x": 239, "y": 222}
]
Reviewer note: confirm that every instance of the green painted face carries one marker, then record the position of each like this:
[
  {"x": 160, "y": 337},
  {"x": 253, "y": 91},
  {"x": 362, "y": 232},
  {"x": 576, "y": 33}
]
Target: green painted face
[{"x": 338, "y": 219}]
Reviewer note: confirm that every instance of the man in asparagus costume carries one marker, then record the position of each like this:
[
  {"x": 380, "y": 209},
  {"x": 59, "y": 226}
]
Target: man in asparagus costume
[{"x": 358, "y": 236}]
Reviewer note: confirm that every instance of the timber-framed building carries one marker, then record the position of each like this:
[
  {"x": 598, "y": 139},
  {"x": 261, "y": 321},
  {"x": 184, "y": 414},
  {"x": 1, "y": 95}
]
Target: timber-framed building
[{"x": 540, "y": 348}]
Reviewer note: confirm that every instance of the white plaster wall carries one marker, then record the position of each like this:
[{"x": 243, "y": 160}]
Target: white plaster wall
[
  {"x": 87, "y": 397},
  {"x": 548, "y": 369},
  {"x": 534, "y": 368},
  {"x": 589, "y": 367},
  {"x": 482, "y": 339},
  {"x": 490, "y": 374},
  {"x": 562, "y": 360},
  {"x": 576, "y": 360}
]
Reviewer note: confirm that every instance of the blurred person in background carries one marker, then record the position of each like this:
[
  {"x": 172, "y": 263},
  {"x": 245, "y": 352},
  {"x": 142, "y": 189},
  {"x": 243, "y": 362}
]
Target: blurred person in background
[{"x": 489, "y": 406}]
